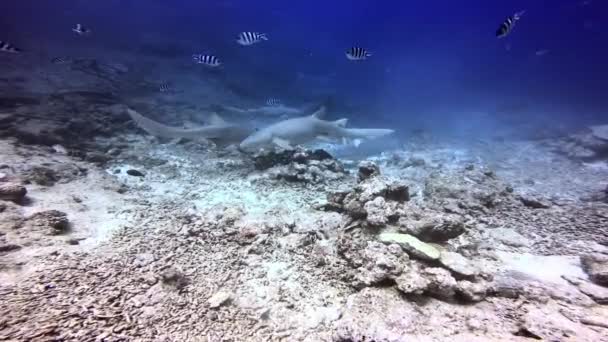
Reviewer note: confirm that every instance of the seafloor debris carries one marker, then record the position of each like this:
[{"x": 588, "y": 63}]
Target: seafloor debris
[
  {"x": 52, "y": 221},
  {"x": 596, "y": 266},
  {"x": 374, "y": 199},
  {"x": 12, "y": 192},
  {"x": 299, "y": 165}
]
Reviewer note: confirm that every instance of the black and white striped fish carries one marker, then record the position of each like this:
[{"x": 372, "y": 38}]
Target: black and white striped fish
[
  {"x": 507, "y": 26},
  {"x": 272, "y": 102},
  {"x": 357, "y": 54},
  {"x": 61, "y": 60},
  {"x": 8, "y": 47},
  {"x": 81, "y": 30},
  {"x": 208, "y": 60},
  {"x": 250, "y": 38},
  {"x": 165, "y": 88}
]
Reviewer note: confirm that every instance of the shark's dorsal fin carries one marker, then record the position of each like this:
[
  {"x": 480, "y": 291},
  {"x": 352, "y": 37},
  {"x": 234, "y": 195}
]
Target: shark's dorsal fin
[
  {"x": 320, "y": 113},
  {"x": 215, "y": 119},
  {"x": 341, "y": 122}
]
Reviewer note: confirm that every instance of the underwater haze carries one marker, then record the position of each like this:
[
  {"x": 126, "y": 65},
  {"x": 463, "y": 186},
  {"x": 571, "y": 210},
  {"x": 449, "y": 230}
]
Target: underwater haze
[
  {"x": 436, "y": 65},
  {"x": 345, "y": 171}
]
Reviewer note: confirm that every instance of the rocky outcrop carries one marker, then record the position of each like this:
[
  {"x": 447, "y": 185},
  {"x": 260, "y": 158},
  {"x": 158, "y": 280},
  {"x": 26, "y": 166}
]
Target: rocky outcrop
[
  {"x": 375, "y": 199},
  {"x": 12, "y": 192},
  {"x": 587, "y": 145},
  {"x": 53, "y": 222},
  {"x": 596, "y": 267},
  {"x": 434, "y": 228},
  {"x": 299, "y": 165},
  {"x": 414, "y": 247}
]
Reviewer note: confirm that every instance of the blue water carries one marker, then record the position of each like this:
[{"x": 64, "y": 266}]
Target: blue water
[{"x": 436, "y": 64}]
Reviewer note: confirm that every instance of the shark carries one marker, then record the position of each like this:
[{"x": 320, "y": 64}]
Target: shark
[
  {"x": 305, "y": 129},
  {"x": 277, "y": 110},
  {"x": 219, "y": 131}
]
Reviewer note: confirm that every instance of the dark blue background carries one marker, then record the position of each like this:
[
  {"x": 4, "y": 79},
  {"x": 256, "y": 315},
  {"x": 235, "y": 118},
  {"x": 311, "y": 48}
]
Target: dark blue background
[{"x": 432, "y": 59}]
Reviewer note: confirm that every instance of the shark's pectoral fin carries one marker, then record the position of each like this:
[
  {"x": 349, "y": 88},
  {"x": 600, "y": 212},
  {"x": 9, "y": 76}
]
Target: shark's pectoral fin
[{"x": 282, "y": 143}]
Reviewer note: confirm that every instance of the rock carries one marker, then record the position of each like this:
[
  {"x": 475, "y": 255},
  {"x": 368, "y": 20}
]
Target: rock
[
  {"x": 299, "y": 165},
  {"x": 437, "y": 229},
  {"x": 97, "y": 157},
  {"x": 367, "y": 169},
  {"x": 371, "y": 188},
  {"x": 441, "y": 282},
  {"x": 380, "y": 263},
  {"x": 596, "y": 321},
  {"x": 42, "y": 176},
  {"x": 12, "y": 192},
  {"x": 230, "y": 216},
  {"x": 143, "y": 259},
  {"x": 376, "y": 213},
  {"x": 8, "y": 247},
  {"x": 510, "y": 237},
  {"x": 413, "y": 246},
  {"x": 596, "y": 266},
  {"x": 398, "y": 192},
  {"x": 268, "y": 159},
  {"x": 59, "y": 149},
  {"x": 174, "y": 277},
  {"x": 472, "y": 292},
  {"x": 534, "y": 202},
  {"x": 412, "y": 281},
  {"x": 220, "y": 298},
  {"x": 55, "y": 221},
  {"x": 598, "y": 293},
  {"x": 458, "y": 264},
  {"x": 135, "y": 173},
  {"x": 353, "y": 207}
]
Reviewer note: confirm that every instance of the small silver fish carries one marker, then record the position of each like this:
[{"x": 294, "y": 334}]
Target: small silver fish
[
  {"x": 81, "y": 30},
  {"x": 357, "y": 54},
  {"x": 507, "y": 26},
  {"x": 541, "y": 52},
  {"x": 250, "y": 38},
  {"x": 8, "y": 47},
  {"x": 272, "y": 102},
  {"x": 208, "y": 60}
]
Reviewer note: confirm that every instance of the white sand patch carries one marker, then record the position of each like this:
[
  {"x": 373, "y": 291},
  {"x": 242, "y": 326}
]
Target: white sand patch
[
  {"x": 96, "y": 217},
  {"x": 547, "y": 269}
]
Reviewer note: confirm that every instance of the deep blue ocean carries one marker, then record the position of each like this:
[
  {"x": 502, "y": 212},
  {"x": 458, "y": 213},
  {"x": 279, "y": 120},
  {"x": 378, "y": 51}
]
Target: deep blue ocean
[{"x": 435, "y": 64}]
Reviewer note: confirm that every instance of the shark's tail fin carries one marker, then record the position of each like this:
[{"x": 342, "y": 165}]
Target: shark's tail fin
[
  {"x": 368, "y": 133},
  {"x": 159, "y": 130}
]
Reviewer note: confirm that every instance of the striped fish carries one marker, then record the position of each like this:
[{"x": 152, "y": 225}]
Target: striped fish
[
  {"x": 272, "y": 102},
  {"x": 8, "y": 47},
  {"x": 165, "y": 88},
  {"x": 81, "y": 30},
  {"x": 208, "y": 60},
  {"x": 250, "y": 38},
  {"x": 507, "y": 26},
  {"x": 357, "y": 54}
]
